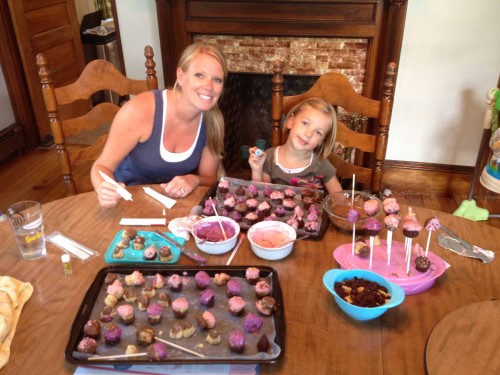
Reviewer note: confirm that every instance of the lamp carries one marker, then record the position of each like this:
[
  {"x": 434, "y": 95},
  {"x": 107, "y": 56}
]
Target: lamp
[{"x": 490, "y": 177}]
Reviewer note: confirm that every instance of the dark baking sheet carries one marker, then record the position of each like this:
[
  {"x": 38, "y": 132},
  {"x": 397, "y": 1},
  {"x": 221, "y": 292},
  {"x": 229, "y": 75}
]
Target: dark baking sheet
[
  {"x": 130, "y": 255},
  {"x": 274, "y": 326},
  {"x": 235, "y": 182}
]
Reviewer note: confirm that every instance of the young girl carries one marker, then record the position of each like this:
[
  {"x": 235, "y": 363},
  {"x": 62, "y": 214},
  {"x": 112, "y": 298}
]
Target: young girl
[{"x": 303, "y": 159}]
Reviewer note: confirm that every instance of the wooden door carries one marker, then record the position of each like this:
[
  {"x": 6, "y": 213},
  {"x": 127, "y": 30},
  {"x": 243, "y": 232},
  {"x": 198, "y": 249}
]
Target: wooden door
[{"x": 51, "y": 27}]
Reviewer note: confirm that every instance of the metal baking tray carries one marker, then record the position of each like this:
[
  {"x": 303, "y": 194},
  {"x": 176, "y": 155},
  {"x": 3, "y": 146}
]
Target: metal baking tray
[
  {"x": 234, "y": 183},
  {"x": 274, "y": 325}
]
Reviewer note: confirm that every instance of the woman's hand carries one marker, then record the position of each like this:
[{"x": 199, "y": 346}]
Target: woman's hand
[
  {"x": 107, "y": 195},
  {"x": 181, "y": 186}
]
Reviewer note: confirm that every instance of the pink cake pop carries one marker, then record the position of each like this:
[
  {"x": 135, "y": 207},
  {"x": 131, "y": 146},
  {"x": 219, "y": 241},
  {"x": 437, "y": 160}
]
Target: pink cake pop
[
  {"x": 371, "y": 207},
  {"x": 411, "y": 229},
  {"x": 390, "y": 206},
  {"x": 431, "y": 225}
]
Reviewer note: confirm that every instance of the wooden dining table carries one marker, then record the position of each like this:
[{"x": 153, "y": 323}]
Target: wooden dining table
[{"x": 320, "y": 338}]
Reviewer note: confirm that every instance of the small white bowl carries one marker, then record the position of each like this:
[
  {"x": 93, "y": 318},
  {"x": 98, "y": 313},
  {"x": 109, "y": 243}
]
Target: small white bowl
[
  {"x": 275, "y": 229},
  {"x": 219, "y": 247}
]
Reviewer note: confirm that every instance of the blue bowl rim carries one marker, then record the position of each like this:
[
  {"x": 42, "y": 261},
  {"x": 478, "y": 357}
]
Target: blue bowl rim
[{"x": 333, "y": 275}]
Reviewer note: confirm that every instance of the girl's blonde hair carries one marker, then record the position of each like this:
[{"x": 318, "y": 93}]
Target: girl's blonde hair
[
  {"x": 324, "y": 148},
  {"x": 214, "y": 120}
]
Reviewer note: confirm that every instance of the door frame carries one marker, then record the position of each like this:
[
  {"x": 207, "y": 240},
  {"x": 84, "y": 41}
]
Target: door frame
[{"x": 15, "y": 80}]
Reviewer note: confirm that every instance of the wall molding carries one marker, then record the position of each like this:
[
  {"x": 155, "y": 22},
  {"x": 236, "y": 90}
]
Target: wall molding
[{"x": 435, "y": 179}]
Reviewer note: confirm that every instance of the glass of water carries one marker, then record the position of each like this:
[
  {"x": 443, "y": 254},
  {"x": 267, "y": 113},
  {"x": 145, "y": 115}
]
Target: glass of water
[{"x": 27, "y": 223}]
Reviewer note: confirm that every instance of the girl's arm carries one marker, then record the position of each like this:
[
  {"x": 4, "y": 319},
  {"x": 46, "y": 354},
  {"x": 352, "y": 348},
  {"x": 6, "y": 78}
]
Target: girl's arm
[
  {"x": 257, "y": 164},
  {"x": 333, "y": 185}
]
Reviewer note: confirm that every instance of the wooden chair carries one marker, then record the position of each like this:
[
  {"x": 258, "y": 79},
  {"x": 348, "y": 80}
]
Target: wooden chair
[
  {"x": 66, "y": 118},
  {"x": 336, "y": 89}
]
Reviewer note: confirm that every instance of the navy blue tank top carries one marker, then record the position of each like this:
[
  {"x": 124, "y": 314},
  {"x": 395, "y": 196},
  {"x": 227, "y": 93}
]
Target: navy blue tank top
[{"x": 145, "y": 165}]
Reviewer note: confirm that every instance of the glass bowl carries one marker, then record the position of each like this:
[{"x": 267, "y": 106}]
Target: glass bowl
[{"x": 338, "y": 204}]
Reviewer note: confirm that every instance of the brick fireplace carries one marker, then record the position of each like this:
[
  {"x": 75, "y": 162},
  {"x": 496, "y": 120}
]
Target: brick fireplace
[{"x": 357, "y": 38}]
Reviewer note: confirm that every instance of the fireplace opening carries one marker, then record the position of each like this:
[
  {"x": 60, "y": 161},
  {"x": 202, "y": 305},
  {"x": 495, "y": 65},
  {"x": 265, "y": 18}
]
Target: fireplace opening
[{"x": 246, "y": 105}]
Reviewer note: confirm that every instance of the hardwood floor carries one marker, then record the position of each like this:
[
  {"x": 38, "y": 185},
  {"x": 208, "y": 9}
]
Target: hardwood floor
[{"x": 35, "y": 176}]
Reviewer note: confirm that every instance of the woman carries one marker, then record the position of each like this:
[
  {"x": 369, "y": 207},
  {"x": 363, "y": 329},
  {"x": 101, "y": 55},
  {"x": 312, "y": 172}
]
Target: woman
[{"x": 174, "y": 137}]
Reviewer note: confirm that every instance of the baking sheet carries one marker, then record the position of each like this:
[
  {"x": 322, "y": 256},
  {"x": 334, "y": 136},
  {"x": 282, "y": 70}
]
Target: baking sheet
[
  {"x": 130, "y": 255},
  {"x": 234, "y": 183},
  {"x": 274, "y": 325}
]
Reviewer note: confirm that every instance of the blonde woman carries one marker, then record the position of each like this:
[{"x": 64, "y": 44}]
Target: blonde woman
[
  {"x": 173, "y": 137},
  {"x": 303, "y": 159}
]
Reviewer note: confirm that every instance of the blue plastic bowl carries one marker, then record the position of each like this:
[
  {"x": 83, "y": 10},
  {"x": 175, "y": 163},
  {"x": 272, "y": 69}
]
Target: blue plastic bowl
[{"x": 357, "y": 312}]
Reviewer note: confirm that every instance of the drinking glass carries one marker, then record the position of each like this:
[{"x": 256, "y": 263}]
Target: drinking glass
[{"x": 27, "y": 224}]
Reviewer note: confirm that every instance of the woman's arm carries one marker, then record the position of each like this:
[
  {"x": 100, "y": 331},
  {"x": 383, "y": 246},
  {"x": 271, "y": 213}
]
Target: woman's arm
[
  {"x": 132, "y": 124},
  {"x": 182, "y": 186}
]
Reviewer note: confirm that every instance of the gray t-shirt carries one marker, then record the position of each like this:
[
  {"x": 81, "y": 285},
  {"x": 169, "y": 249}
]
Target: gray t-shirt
[{"x": 313, "y": 176}]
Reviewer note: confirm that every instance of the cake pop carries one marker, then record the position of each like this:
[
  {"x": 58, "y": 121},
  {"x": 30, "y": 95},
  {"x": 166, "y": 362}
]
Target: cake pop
[
  {"x": 390, "y": 206},
  {"x": 371, "y": 207},
  {"x": 411, "y": 229},
  {"x": 372, "y": 227},
  {"x": 431, "y": 225}
]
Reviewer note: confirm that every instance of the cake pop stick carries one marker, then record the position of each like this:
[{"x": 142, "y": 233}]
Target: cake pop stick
[
  {"x": 353, "y": 217},
  {"x": 431, "y": 225},
  {"x": 408, "y": 258},
  {"x": 391, "y": 223},
  {"x": 372, "y": 227}
]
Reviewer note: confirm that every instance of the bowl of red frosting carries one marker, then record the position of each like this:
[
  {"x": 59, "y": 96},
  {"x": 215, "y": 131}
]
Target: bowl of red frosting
[{"x": 215, "y": 234}]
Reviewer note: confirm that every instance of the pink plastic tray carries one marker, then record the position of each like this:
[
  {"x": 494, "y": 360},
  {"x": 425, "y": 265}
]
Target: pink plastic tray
[{"x": 413, "y": 283}]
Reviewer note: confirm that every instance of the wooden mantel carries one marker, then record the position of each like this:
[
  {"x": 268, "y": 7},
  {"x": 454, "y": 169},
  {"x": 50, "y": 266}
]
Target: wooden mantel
[{"x": 379, "y": 21}]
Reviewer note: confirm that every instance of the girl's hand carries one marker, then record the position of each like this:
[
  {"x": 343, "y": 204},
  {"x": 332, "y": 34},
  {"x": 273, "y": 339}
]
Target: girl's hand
[
  {"x": 181, "y": 186},
  {"x": 256, "y": 162},
  {"x": 107, "y": 195}
]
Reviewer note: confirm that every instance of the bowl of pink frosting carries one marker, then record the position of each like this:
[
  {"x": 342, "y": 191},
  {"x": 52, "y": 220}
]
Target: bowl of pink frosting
[
  {"x": 347, "y": 208},
  {"x": 271, "y": 240},
  {"x": 215, "y": 234}
]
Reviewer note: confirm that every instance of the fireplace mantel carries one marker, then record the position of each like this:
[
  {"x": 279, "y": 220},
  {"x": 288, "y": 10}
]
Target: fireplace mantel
[{"x": 381, "y": 22}]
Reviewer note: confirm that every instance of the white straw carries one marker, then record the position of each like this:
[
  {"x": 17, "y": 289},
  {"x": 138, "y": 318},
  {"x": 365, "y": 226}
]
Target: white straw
[
  {"x": 409, "y": 258},
  {"x": 428, "y": 242},
  {"x": 235, "y": 250},
  {"x": 372, "y": 240},
  {"x": 220, "y": 221},
  {"x": 117, "y": 356},
  {"x": 352, "y": 205},
  {"x": 179, "y": 347},
  {"x": 389, "y": 246},
  {"x": 353, "y": 236}
]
